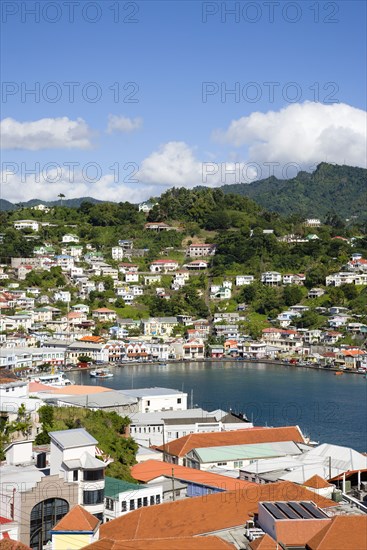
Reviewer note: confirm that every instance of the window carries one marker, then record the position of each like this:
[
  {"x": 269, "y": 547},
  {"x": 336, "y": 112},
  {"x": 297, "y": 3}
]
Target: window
[
  {"x": 148, "y": 403},
  {"x": 157, "y": 499},
  {"x": 179, "y": 400},
  {"x": 43, "y": 517},
  {"x": 222, "y": 464},
  {"x": 93, "y": 497},
  {"x": 99, "y": 516},
  {"x": 140, "y": 503},
  {"x": 132, "y": 504},
  {"x": 152, "y": 500},
  {"x": 145, "y": 501},
  {"x": 123, "y": 506},
  {"x": 93, "y": 475},
  {"x": 75, "y": 475},
  {"x": 109, "y": 504}
]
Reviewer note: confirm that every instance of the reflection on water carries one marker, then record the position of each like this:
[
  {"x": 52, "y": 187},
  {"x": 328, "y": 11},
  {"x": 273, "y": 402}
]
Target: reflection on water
[{"x": 328, "y": 408}]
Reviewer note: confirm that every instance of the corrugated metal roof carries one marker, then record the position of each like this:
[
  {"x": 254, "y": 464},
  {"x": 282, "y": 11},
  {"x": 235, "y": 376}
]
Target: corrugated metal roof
[
  {"x": 68, "y": 439},
  {"x": 113, "y": 487},
  {"x": 238, "y": 452}
]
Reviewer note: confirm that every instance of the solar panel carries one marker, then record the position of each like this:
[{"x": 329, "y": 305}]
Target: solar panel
[
  {"x": 304, "y": 513},
  {"x": 311, "y": 508},
  {"x": 287, "y": 510},
  {"x": 275, "y": 512}
]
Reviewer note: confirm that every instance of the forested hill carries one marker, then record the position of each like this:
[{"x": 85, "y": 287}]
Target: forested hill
[
  {"x": 330, "y": 188},
  {"x": 71, "y": 203}
]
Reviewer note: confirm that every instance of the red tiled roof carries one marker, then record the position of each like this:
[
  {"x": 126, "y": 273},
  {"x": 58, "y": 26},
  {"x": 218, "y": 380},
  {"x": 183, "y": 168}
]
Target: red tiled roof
[
  {"x": 10, "y": 544},
  {"x": 180, "y": 447},
  {"x": 195, "y": 516},
  {"x": 151, "y": 469},
  {"x": 346, "y": 532},
  {"x": 175, "y": 543},
  {"x": 316, "y": 482},
  {"x": 78, "y": 519},
  {"x": 4, "y": 520},
  {"x": 264, "y": 543}
]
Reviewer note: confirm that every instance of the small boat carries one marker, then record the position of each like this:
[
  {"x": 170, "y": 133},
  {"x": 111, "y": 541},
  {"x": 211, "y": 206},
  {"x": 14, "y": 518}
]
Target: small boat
[
  {"x": 101, "y": 373},
  {"x": 57, "y": 380},
  {"x": 338, "y": 373}
]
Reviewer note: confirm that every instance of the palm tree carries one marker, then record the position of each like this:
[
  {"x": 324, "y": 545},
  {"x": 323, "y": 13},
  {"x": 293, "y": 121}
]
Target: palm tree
[{"x": 61, "y": 196}]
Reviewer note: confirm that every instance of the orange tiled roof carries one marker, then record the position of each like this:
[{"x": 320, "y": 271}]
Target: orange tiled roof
[
  {"x": 183, "y": 445},
  {"x": 175, "y": 543},
  {"x": 264, "y": 543},
  {"x": 352, "y": 352},
  {"x": 151, "y": 469},
  {"x": 10, "y": 544},
  {"x": 347, "y": 532},
  {"x": 95, "y": 339},
  {"x": 316, "y": 482},
  {"x": 78, "y": 519},
  {"x": 66, "y": 390},
  {"x": 103, "y": 310},
  {"x": 195, "y": 516},
  {"x": 296, "y": 532}
]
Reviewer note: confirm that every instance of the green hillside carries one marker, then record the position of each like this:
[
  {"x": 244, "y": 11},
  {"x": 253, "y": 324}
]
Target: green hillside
[{"x": 340, "y": 190}]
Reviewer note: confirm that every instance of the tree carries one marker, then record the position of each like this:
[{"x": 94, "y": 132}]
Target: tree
[
  {"x": 61, "y": 196},
  {"x": 292, "y": 294}
]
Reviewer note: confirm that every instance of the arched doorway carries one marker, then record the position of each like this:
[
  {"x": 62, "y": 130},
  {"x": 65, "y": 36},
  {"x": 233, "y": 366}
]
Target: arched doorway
[{"x": 44, "y": 517}]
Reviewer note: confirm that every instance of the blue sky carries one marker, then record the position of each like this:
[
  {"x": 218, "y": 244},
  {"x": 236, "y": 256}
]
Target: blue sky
[{"x": 169, "y": 53}]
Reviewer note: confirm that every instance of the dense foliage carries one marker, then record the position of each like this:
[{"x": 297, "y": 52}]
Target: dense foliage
[
  {"x": 337, "y": 191},
  {"x": 108, "y": 428}
]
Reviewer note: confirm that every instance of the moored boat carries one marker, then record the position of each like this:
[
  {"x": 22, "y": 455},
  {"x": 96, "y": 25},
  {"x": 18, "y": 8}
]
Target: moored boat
[{"x": 101, "y": 373}]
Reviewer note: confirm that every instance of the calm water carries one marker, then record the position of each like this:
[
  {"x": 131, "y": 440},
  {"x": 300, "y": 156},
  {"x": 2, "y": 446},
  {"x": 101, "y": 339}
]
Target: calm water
[{"x": 328, "y": 408}]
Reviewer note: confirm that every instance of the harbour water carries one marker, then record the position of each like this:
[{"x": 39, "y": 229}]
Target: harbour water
[{"x": 328, "y": 408}]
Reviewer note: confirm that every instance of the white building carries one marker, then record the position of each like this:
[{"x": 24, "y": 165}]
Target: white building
[
  {"x": 62, "y": 296},
  {"x": 158, "y": 399},
  {"x": 27, "y": 224},
  {"x": 271, "y": 278},
  {"x": 199, "y": 250},
  {"x": 70, "y": 238},
  {"x": 73, "y": 456},
  {"x": 158, "y": 428},
  {"x": 242, "y": 280},
  {"x": 117, "y": 252},
  {"x": 312, "y": 222},
  {"x": 163, "y": 266},
  {"x": 122, "y": 497}
]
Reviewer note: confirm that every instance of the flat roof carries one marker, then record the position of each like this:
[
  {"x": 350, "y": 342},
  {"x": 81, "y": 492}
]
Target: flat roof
[
  {"x": 101, "y": 400},
  {"x": 151, "y": 392},
  {"x": 255, "y": 450},
  {"x": 68, "y": 439}
]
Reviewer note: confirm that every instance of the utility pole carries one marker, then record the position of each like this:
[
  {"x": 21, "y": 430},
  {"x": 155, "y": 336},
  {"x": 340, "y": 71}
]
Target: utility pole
[{"x": 173, "y": 484}]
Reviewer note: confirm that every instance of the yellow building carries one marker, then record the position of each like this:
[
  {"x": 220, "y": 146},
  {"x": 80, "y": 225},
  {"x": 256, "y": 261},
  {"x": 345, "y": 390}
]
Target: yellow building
[{"x": 75, "y": 530}]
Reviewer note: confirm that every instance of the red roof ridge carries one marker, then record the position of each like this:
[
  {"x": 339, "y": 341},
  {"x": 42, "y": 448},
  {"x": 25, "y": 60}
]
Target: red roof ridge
[
  {"x": 316, "y": 482},
  {"x": 77, "y": 519}
]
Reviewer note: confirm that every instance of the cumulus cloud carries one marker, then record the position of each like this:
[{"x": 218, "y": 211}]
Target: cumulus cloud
[
  {"x": 46, "y": 133},
  {"x": 175, "y": 165},
  {"x": 123, "y": 124},
  {"x": 306, "y": 133},
  {"x": 46, "y": 186}
]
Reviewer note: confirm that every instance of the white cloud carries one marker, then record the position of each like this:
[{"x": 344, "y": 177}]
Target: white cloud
[
  {"x": 306, "y": 133},
  {"x": 175, "y": 165},
  {"x": 46, "y": 133},
  {"x": 123, "y": 124},
  {"x": 47, "y": 186}
]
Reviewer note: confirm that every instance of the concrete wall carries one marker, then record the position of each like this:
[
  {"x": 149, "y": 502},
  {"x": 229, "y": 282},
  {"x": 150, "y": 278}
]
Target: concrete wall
[{"x": 49, "y": 487}]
